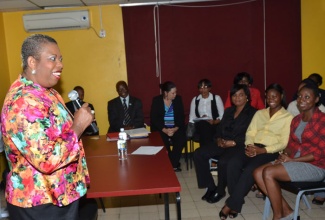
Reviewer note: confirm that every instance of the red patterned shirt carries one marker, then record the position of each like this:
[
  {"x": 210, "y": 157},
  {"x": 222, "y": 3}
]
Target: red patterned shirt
[{"x": 312, "y": 138}]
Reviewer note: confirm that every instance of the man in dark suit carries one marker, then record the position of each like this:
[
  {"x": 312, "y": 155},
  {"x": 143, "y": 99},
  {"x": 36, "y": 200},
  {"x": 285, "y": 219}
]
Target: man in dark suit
[
  {"x": 72, "y": 108},
  {"x": 124, "y": 111}
]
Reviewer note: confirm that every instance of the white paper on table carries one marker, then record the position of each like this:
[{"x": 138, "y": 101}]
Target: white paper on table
[{"x": 147, "y": 150}]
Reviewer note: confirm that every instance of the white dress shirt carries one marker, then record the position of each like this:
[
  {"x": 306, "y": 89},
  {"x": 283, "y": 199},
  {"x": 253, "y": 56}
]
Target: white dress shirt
[
  {"x": 127, "y": 99},
  {"x": 204, "y": 107}
]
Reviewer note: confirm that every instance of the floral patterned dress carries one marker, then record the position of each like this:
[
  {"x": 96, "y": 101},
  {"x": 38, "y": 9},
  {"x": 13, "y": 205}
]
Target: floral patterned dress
[{"x": 46, "y": 160}]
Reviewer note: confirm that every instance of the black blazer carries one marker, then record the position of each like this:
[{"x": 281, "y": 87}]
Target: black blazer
[
  {"x": 157, "y": 113},
  {"x": 89, "y": 130},
  {"x": 231, "y": 128},
  {"x": 115, "y": 113}
]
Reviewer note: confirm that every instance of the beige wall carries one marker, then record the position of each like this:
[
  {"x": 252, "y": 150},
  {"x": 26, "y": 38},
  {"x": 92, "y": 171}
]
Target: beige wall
[
  {"x": 313, "y": 37},
  {"x": 90, "y": 61}
]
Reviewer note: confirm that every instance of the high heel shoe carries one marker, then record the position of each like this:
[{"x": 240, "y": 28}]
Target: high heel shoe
[{"x": 222, "y": 215}]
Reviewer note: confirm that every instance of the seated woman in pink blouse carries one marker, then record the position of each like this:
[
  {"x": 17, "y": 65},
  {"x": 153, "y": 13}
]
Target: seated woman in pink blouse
[{"x": 304, "y": 157}]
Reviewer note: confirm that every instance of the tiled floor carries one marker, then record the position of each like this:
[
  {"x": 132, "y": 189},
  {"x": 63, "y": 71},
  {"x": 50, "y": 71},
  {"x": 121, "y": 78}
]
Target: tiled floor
[{"x": 151, "y": 207}]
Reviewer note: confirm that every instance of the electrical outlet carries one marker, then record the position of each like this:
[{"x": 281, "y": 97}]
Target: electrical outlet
[{"x": 102, "y": 33}]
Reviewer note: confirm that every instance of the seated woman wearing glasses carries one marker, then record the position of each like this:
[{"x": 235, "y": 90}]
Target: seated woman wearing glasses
[
  {"x": 206, "y": 106},
  {"x": 304, "y": 157}
]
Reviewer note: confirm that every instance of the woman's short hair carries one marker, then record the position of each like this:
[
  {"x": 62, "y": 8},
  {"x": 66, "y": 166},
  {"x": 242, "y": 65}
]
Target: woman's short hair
[
  {"x": 278, "y": 88},
  {"x": 167, "y": 86},
  {"x": 241, "y": 75},
  {"x": 205, "y": 82},
  {"x": 236, "y": 87},
  {"x": 32, "y": 46}
]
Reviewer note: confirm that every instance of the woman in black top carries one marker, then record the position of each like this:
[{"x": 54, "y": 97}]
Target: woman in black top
[
  {"x": 167, "y": 117},
  {"x": 230, "y": 140}
]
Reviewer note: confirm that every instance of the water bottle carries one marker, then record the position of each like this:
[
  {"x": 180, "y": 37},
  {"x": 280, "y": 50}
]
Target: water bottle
[{"x": 122, "y": 145}]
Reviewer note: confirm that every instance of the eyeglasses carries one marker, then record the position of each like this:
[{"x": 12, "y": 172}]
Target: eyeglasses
[{"x": 203, "y": 87}]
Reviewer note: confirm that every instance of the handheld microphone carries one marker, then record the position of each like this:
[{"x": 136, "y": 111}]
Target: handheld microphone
[{"x": 74, "y": 97}]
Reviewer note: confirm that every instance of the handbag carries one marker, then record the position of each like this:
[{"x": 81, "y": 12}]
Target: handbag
[{"x": 190, "y": 130}]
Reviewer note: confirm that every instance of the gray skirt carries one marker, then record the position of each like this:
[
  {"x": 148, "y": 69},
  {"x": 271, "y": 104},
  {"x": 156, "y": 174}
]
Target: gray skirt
[{"x": 304, "y": 172}]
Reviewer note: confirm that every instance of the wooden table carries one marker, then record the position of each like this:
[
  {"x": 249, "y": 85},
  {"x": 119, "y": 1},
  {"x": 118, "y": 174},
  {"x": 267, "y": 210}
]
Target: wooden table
[{"x": 138, "y": 175}]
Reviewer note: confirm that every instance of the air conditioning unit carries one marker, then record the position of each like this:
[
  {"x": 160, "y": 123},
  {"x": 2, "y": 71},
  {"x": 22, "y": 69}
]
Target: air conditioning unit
[{"x": 66, "y": 20}]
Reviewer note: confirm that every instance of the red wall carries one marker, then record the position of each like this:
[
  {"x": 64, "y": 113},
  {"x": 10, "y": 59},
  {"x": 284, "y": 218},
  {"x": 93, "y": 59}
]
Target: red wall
[{"x": 213, "y": 42}]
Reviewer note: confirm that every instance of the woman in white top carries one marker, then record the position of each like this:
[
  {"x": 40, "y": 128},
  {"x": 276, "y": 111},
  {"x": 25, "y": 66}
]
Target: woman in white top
[
  {"x": 292, "y": 107},
  {"x": 206, "y": 112}
]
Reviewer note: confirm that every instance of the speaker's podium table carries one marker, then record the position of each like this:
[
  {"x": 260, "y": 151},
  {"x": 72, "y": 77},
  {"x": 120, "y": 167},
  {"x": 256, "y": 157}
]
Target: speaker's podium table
[{"x": 138, "y": 175}]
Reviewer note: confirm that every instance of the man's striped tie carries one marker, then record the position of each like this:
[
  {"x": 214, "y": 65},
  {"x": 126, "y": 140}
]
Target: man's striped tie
[{"x": 127, "y": 118}]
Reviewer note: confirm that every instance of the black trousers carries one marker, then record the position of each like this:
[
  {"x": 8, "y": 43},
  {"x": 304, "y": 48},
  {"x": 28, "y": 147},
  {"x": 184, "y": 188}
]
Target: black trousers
[
  {"x": 201, "y": 161},
  {"x": 178, "y": 141},
  {"x": 206, "y": 132},
  {"x": 46, "y": 211},
  {"x": 240, "y": 177}
]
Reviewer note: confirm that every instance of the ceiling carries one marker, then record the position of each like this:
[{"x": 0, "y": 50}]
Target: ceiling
[{"x": 22, "y": 5}]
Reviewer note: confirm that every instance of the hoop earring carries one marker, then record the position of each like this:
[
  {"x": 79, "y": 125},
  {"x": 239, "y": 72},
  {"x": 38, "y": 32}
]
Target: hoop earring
[{"x": 33, "y": 72}]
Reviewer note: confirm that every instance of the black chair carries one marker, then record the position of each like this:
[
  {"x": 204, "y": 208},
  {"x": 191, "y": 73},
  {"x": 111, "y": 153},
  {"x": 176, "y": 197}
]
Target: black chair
[{"x": 299, "y": 188}]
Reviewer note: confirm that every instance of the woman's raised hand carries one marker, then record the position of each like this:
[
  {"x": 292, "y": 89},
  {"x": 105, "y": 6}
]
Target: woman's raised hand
[{"x": 82, "y": 119}]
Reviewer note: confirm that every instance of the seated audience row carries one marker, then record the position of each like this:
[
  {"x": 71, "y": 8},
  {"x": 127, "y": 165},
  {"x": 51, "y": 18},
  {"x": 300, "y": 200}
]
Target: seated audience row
[
  {"x": 224, "y": 135},
  {"x": 304, "y": 157},
  {"x": 244, "y": 142},
  {"x": 266, "y": 135},
  {"x": 209, "y": 106},
  {"x": 266, "y": 138},
  {"x": 166, "y": 116}
]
